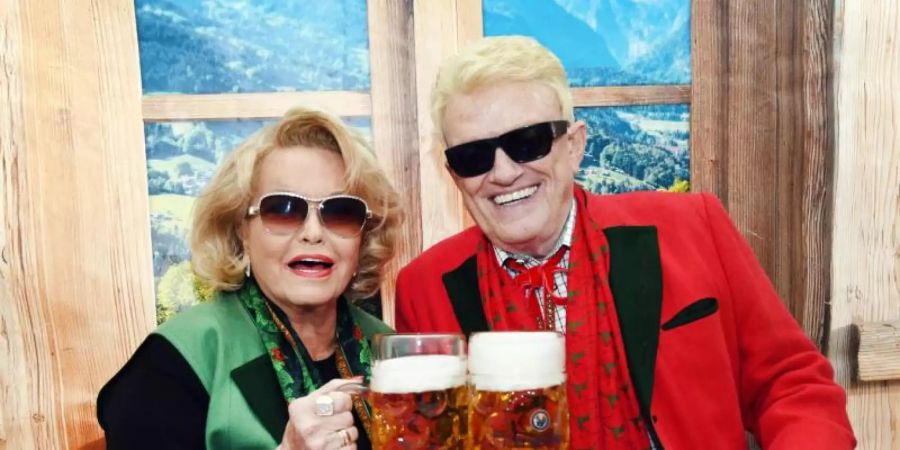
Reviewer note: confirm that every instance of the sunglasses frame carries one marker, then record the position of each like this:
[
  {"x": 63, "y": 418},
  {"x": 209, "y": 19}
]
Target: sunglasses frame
[
  {"x": 558, "y": 128},
  {"x": 254, "y": 210}
]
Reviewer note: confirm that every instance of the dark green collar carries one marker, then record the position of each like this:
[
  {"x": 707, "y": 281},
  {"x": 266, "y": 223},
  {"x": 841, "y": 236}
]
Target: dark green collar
[{"x": 257, "y": 383}]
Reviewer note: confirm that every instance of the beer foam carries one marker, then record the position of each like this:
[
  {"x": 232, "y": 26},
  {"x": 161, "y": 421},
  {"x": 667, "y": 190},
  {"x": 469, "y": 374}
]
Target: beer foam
[
  {"x": 513, "y": 361},
  {"x": 420, "y": 373}
]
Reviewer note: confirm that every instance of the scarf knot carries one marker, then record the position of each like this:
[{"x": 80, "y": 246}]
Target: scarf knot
[{"x": 533, "y": 279}]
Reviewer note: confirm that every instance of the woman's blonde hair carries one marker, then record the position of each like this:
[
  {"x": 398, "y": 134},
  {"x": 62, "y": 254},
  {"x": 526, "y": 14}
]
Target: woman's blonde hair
[
  {"x": 497, "y": 60},
  {"x": 217, "y": 252}
]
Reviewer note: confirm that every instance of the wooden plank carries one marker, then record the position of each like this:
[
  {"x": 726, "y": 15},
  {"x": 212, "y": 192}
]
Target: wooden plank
[
  {"x": 709, "y": 97},
  {"x": 879, "y": 351},
  {"x": 469, "y": 29},
  {"x": 866, "y": 233},
  {"x": 266, "y": 105},
  {"x": 18, "y": 339},
  {"x": 790, "y": 96},
  {"x": 811, "y": 270},
  {"x": 32, "y": 412},
  {"x": 394, "y": 123},
  {"x": 436, "y": 30},
  {"x": 804, "y": 158},
  {"x": 469, "y": 22},
  {"x": 78, "y": 272},
  {"x": 751, "y": 124},
  {"x": 632, "y": 95}
]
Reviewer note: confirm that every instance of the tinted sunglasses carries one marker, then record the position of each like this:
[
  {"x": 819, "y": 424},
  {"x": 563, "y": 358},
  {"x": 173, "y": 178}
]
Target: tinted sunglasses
[
  {"x": 522, "y": 145},
  {"x": 283, "y": 213}
]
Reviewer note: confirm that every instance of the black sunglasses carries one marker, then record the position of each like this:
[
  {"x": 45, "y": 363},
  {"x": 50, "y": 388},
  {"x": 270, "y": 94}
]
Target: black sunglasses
[
  {"x": 283, "y": 213},
  {"x": 522, "y": 145}
]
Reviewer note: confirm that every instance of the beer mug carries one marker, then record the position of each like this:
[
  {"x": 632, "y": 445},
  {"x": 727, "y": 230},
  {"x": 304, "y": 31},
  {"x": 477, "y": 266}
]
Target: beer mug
[
  {"x": 519, "y": 392},
  {"x": 418, "y": 392}
]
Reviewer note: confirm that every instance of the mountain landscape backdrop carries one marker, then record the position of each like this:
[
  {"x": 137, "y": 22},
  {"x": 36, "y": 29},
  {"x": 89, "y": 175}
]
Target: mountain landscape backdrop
[{"x": 223, "y": 46}]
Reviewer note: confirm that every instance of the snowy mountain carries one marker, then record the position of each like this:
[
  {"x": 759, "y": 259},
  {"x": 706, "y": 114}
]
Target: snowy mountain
[
  {"x": 648, "y": 40},
  {"x": 219, "y": 46}
]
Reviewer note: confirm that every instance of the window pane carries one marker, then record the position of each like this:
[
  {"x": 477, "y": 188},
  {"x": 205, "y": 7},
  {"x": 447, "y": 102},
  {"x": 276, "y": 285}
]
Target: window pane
[
  {"x": 632, "y": 148},
  {"x": 604, "y": 42},
  {"x": 181, "y": 158},
  {"x": 221, "y": 46}
]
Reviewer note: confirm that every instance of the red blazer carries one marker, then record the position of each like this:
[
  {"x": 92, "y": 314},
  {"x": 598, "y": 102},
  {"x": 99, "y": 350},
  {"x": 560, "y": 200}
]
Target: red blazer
[{"x": 711, "y": 348}]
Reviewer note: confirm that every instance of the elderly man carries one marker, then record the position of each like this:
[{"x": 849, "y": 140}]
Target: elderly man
[{"x": 675, "y": 337}]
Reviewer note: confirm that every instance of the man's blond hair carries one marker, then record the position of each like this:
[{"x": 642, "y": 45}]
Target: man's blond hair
[{"x": 497, "y": 60}]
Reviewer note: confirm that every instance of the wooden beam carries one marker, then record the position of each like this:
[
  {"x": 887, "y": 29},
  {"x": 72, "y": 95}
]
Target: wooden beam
[
  {"x": 879, "y": 351},
  {"x": 750, "y": 122},
  {"x": 469, "y": 29},
  {"x": 394, "y": 124},
  {"x": 709, "y": 97},
  {"x": 865, "y": 274},
  {"x": 801, "y": 264},
  {"x": 76, "y": 270},
  {"x": 160, "y": 108},
  {"x": 469, "y": 22},
  {"x": 441, "y": 27},
  {"x": 632, "y": 95}
]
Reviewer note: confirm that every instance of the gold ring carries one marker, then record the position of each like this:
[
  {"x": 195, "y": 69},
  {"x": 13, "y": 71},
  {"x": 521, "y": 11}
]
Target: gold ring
[{"x": 345, "y": 437}]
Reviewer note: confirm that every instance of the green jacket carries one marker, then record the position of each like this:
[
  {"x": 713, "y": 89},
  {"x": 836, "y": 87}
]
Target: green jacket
[{"x": 221, "y": 343}]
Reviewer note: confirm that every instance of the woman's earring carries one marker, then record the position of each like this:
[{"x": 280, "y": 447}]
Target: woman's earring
[{"x": 247, "y": 270}]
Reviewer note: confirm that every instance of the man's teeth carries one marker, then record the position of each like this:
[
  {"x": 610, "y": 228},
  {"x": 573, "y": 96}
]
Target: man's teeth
[{"x": 513, "y": 196}]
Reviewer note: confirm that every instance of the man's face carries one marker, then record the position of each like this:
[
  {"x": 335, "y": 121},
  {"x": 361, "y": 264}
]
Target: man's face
[{"x": 520, "y": 207}]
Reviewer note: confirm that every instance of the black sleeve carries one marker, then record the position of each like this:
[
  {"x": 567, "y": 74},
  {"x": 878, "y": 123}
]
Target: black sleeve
[{"x": 155, "y": 402}]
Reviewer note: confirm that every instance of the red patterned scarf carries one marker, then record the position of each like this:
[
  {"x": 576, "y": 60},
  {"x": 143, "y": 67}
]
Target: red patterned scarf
[{"x": 603, "y": 407}]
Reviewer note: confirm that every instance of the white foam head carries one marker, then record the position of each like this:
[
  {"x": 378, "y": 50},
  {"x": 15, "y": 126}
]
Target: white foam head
[
  {"x": 420, "y": 373},
  {"x": 515, "y": 361}
]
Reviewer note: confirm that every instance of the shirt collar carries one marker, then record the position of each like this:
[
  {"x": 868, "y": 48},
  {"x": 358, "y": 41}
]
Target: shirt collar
[{"x": 564, "y": 239}]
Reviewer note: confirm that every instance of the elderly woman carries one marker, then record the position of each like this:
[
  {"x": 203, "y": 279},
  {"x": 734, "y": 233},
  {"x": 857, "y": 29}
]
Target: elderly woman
[{"x": 296, "y": 225}]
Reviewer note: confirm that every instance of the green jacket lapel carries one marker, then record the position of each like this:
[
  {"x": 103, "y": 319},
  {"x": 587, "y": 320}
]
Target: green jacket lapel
[
  {"x": 256, "y": 381},
  {"x": 461, "y": 285},
  {"x": 635, "y": 278}
]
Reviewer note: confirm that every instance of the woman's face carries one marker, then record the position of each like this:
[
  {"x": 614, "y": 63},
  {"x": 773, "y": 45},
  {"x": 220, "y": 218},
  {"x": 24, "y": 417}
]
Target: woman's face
[{"x": 312, "y": 266}]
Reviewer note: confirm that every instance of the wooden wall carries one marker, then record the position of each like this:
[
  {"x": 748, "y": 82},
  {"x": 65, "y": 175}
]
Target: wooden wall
[
  {"x": 760, "y": 137},
  {"x": 866, "y": 237},
  {"x": 75, "y": 276}
]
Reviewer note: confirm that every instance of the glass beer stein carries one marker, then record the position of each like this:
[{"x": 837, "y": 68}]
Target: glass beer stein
[
  {"x": 418, "y": 392},
  {"x": 519, "y": 391}
]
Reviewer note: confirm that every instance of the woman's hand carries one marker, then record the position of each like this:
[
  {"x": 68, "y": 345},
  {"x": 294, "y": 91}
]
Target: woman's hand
[{"x": 323, "y": 420}]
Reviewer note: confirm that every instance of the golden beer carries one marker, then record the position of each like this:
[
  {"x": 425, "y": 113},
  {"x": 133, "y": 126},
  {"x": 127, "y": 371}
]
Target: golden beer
[
  {"x": 421, "y": 420},
  {"x": 418, "y": 392},
  {"x": 519, "y": 391},
  {"x": 534, "y": 418}
]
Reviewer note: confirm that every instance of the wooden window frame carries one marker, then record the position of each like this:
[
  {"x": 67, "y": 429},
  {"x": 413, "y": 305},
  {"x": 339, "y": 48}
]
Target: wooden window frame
[{"x": 734, "y": 99}]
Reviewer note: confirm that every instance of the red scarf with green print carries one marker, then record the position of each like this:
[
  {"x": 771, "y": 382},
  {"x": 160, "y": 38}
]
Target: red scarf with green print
[{"x": 603, "y": 408}]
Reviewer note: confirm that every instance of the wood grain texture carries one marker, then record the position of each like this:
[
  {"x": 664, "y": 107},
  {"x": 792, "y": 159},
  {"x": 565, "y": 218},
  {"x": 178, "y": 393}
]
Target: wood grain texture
[
  {"x": 394, "y": 123},
  {"x": 632, "y": 95},
  {"x": 439, "y": 28},
  {"x": 751, "y": 124},
  {"x": 866, "y": 238},
  {"x": 469, "y": 22},
  {"x": 879, "y": 351},
  {"x": 264, "y": 105},
  {"x": 23, "y": 418},
  {"x": 709, "y": 96},
  {"x": 77, "y": 277},
  {"x": 800, "y": 264},
  {"x": 761, "y": 138}
]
